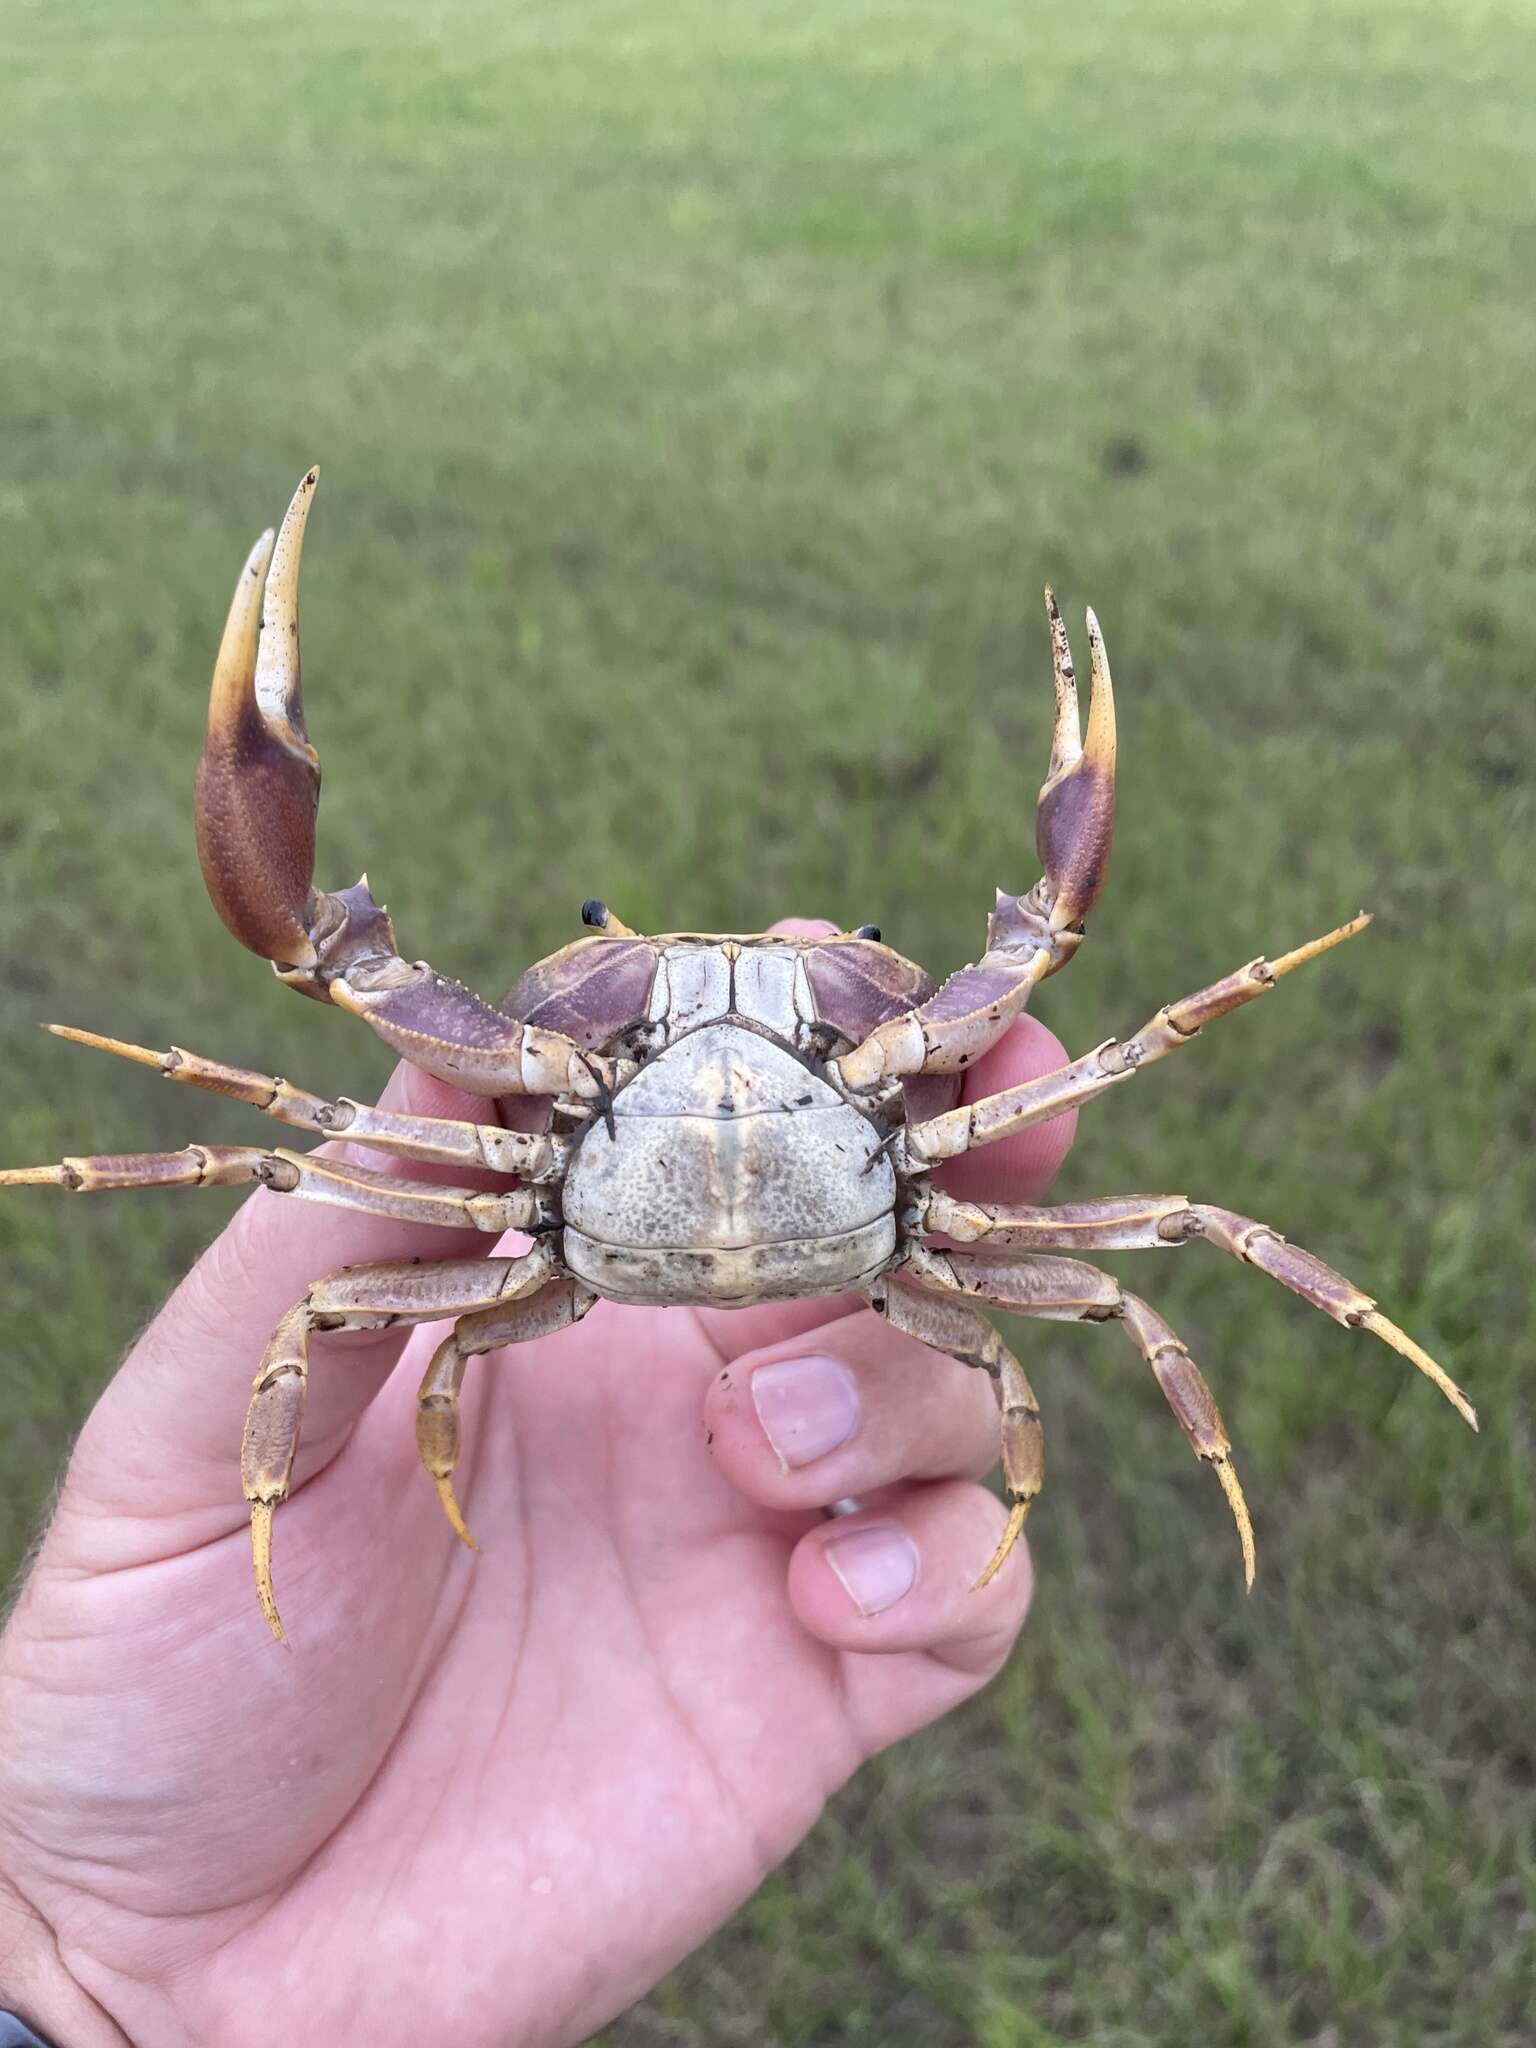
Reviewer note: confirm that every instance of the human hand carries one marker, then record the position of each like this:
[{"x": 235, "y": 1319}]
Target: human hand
[{"x": 489, "y": 1799}]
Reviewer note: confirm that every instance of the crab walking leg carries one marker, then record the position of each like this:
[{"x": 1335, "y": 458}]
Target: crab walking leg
[
  {"x": 373, "y": 1297},
  {"x": 454, "y": 1035},
  {"x": 258, "y": 793},
  {"x": 1065, "y": 1290},
  {"x": 1194, "y": 1404},
  {"x": 563, "y": 1302},
  {"x": 1032, "y": 1102},
  {"x": 1030, "y": 936},
  {"x": 1134, "y": 1222},
  {"x": 967, "y": 1335},
  {"x": 292, "y": 1173},
  {"x": 442, "y": 1140}
]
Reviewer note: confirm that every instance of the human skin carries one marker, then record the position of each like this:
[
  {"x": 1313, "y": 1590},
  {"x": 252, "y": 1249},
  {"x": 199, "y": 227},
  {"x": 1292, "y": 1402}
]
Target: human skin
[{"x": 481, "y": 1800}]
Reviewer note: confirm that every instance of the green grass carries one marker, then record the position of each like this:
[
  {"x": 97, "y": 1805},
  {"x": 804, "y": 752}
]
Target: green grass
[{"x": 704, "y": 392}]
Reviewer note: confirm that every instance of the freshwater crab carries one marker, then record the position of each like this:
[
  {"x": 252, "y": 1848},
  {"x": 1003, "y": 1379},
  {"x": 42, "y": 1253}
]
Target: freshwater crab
[{"x": 733, "y": 1117}]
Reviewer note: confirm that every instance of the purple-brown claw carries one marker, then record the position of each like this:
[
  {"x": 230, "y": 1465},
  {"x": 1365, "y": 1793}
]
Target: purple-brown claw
[
  {"x": 258, "y": 783},
  {"x": 1075, "y": 821},
  {"x": 1029, "y": 936}
]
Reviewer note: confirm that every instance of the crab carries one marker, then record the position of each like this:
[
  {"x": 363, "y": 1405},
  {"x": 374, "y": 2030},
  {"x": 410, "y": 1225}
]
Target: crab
[{"x": 733, "y": 1118}]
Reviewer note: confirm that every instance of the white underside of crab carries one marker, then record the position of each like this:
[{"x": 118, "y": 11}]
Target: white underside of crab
[{"x": 733, "y": 1174}]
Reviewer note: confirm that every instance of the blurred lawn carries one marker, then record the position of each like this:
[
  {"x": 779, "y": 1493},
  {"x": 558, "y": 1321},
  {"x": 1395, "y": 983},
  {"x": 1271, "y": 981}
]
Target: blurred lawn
[{"x": 704, "y": 392}]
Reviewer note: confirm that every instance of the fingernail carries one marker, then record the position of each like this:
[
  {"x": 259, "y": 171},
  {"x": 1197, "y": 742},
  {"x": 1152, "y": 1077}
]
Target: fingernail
[
  {"x": 807, "y": 1406},
  {"x": 876, "y": 1565}
]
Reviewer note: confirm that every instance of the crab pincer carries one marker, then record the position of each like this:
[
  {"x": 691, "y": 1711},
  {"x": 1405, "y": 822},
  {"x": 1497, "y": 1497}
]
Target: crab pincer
[
  {"x": 258, "y": 796},
  {"x": 258, "y": 782},
  {"x": 1032, "y": 935},
  {"x": 1075, "y": 817}
]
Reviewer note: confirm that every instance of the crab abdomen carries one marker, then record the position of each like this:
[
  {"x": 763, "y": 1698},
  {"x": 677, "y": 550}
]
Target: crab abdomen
[{"x": 734, "y": 1175}]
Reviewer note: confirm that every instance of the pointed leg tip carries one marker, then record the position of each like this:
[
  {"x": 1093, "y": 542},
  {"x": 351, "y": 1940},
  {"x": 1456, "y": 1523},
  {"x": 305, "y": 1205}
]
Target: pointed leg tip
[
  {"x": 32, "y": 1177},
  {"x": 261, "y": 1559},
  {"x": 1237, "y": 1502},
  {"x": 1382, "y": 1327},
  {"x": 76, "y": 1034},
  {"x": 451, "y": 1509},
  {"x": 1463, "y": 1406},
  {"x": 1300, "y": 955},
  {"x": 1017, "y": 1515},
  {"x": 97, "y": 1041}
]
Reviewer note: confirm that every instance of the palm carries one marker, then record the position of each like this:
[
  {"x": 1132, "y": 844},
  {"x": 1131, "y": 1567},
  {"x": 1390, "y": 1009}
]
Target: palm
[
  {"x": 616, "y": 1705},
  {"x": 489, "y": 1797}
]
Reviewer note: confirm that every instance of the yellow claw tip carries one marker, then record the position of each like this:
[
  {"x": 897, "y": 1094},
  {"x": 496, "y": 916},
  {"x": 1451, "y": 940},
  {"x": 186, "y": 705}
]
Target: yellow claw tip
[
  {"x": 1300, "y": 955},
  {"x": 261, "y": 1558},
  {"x": 1016, "y": 1519},
  {"x": 145, "y": 1055},
  {"x": 1416, "y": 1355},
  {"x": 449, "y": 1499},
  {"x": 1238, "y": 1504}
]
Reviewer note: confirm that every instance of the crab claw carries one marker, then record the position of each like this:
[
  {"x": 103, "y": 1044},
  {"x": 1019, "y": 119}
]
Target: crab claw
[
  {"x": 258, "y": 783},
  {"x": 1075, "y": 819}
]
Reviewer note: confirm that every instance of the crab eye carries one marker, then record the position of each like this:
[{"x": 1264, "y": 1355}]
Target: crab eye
[
  {"x": 595, "y": 913},
  {"x": 867, "y": 931}
]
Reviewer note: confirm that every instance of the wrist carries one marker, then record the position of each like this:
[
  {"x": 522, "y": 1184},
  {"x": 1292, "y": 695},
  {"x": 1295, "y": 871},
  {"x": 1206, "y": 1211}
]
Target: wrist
[{"x": 36, "y": 1985}]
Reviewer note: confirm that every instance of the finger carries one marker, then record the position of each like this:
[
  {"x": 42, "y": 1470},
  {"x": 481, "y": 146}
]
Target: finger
[
  {"x": 1021, "y": 1168},
  {"x": 165, "y": 1435},
  {"x": 851, "y": 1407},
  {"x": 900, "y": 1575}
]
